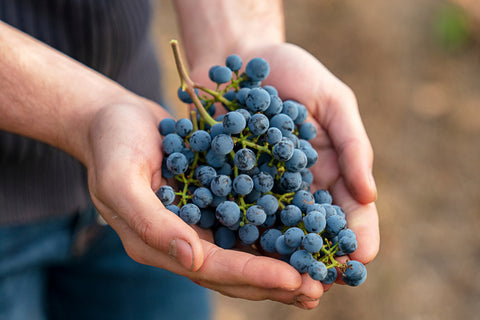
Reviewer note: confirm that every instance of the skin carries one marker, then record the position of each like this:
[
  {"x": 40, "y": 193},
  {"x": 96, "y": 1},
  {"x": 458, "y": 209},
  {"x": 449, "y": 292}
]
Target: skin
[{"x": 113, "y": 132}]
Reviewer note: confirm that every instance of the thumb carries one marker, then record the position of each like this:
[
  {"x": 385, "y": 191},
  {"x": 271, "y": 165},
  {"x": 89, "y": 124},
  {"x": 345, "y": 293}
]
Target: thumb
[{"x": 141, "y": 220}]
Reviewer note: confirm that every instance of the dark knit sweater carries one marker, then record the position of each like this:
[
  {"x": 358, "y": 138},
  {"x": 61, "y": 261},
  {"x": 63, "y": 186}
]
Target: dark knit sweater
[{"x": 111, "y": 36}]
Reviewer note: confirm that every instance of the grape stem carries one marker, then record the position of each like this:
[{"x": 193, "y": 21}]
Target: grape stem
[{"x": 188, "y": 85}]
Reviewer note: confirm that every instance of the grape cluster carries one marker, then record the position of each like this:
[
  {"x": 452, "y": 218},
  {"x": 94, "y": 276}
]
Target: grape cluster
[{"x": 245, "y": 174}]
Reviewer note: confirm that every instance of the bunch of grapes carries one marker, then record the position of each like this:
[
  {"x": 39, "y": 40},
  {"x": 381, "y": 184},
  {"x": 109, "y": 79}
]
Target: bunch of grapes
[{"x": 245, "y": 174}]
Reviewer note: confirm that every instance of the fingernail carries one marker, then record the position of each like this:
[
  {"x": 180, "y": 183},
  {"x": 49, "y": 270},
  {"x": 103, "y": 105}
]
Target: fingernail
[
  {"x": 300, "y": 305},
  {"x": 182, "y": 251},
  {"x": 287, "y": 289}
]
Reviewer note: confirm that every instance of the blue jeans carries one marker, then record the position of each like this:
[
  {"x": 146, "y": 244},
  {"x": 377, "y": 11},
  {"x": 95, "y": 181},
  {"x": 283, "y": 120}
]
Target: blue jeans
[{"x": 73, "y": 268}]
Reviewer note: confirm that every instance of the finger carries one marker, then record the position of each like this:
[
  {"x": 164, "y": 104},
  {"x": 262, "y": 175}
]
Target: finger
[
  {"x": 362, "y": 219},
  {"x": 342, "y": 121},
  {"x": 240, "y": 268},
  {"x": 158, "y": 227}
]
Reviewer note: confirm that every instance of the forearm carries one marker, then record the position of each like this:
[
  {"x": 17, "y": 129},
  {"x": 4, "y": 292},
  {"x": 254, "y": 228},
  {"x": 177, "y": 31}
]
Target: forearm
[
  {"x": 213, "y": 29},
  {"x": 46, "y": 95}
]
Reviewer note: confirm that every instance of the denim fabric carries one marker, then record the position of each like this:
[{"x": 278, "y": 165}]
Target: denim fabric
[{"x": 73, "y": 268}]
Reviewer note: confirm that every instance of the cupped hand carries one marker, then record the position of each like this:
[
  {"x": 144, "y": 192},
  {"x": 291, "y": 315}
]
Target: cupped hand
[
  {"x": 345, "y": 155},
  {"x": 124, "y": 169}
]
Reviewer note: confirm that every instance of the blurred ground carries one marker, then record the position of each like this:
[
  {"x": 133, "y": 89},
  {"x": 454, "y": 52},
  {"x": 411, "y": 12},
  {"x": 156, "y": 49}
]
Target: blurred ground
[{"x": 415, "y": 67}]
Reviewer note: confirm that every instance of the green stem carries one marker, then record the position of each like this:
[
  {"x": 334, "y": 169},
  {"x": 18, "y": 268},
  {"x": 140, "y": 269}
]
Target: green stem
[{"x": 188, "y": 85}]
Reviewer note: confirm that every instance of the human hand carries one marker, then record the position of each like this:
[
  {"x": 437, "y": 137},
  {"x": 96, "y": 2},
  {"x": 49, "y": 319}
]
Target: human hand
[
  {"x": 345, "y": 154},
  {"x": 124, "y": 167}
]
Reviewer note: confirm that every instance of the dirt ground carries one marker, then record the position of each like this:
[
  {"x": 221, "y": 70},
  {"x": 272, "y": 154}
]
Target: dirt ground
[{"x": 420, "y": 102}]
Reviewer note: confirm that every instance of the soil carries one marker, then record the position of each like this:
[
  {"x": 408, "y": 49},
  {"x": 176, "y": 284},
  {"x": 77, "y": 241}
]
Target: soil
[{"x": 420, "y": 103}]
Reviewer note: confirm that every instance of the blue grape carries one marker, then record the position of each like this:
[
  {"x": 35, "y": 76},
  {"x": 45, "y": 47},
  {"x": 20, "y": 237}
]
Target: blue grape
[
  {"x": 202, "y": 197},
  {"x": 291, "y": 215},
  {"x": 307, "y": 176},
  {"x": 317, "y": 207},
  {"x": 270, "y": 221},
  {"x": 242, "y": 96},
  {"x": 338, "y": 210},
  {"x": 329, "y": 210},
  {"x": 173, "y": 208},
  {"x": 294, "y": 237},
  {"x": 334, "y": 225},
  {"x": 214, "y": 159},
  {"x": 271, "y": 90},
  {"x": 271, "y": 170},
  {"x": 245, "y": 159},
  {"x": 257, "y": 69},
  {"x": 307, "y": 131},
  {"x": 302, "y": 199},
  {"x": 189, "y": 154},
  {"x": 228, "y": 213},
  {"x": 200, "y": 141},
  {"x": 217, "y": 200},
  {"x": 331, "y": 276},
  {"x": 222, "y": 74},
  {"x": 312, "y": 242},
  {"x": 283, "y": 150},
  {"x": 268, "y": 239},
  {"x": 233, "y": 62},
  {"x": 221, "y": 185},
  {"x": 304, "y": 144},
  {"x": 248, "y": 234},
  {"x": 347, "y": 241},
  {"x": 207, "y": 218},
  {"x": 322, "y": 196},
  {"x": 256, "y": 215},
  {"x": 252, "y": 196},
  {"x": 274, "y": 135},
  {"x": 263, "y": 182},
  {"x": 282, "y": 247},
  {"x": 217, "y": 129},
  {"x": 166, "y": 195},
  {"x": 275, "y": 106},
  {"x": 243, "y": 184},
  {"x": 172, "y": 142},
  {"x": 258, "y": 124},
  {"x": 269, "y": 204},
  {"x": 166, "y": 126},
  {"x": 317, "y": 270},
  {"x": 312, "y": 156},
  {"x": 225, "y": 238},
  {"x": 184, "y": 96},
  {"x": 246, "y": 114},
  {"x": 205, "y": 175},
  {"x": 300, "y": 260},
  {"x": 355, "y": 273},
  {"x": 290, "y": 109},
  {"x": 290, "y": 181},
  {"x": 184, "y": 127},
  {"x": 314, "y": 221},
  {"x": 302, "y": 114},
  {"x": 226, "y": 169},
  {"x": 190, "y": 213},
  {"x": 249, "y": 84},
  {"x": 222, "y": 144},
  {"x": 297, "y": 162},
  {"x": 230, "y": 95},
  {"x": 211, "y": 72},
  {"x": 282, "y": 122},
  {"x": 165, "y": 172},
  {"x": 234, "y": 122},
  {"x": 257, "y": 100},
  {"x": 177, "y": 163}
]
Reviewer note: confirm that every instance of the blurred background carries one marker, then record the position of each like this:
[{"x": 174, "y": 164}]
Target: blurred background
[{"x": 415, "y": 68}]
